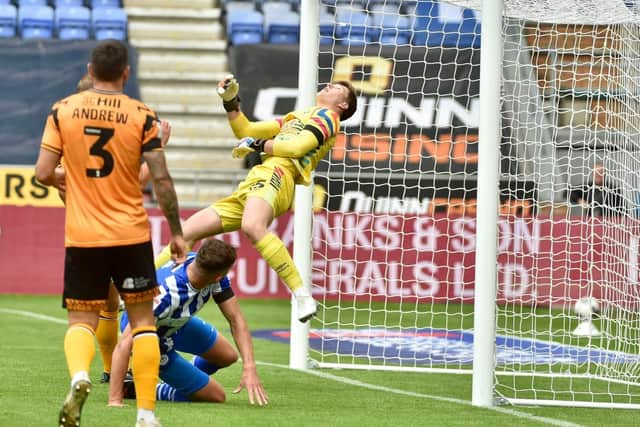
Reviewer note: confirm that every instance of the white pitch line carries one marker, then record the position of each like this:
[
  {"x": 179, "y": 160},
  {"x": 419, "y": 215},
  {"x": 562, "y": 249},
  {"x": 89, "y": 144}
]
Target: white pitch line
[
  {"x": 34, "y": 315},
  {"x": 356, "y": 383},
  {"x": 512, "y": 412}
]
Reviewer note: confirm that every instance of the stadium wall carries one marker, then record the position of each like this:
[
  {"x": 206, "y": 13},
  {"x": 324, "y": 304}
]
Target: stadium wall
[
  {"x": 542, "y": 261},
  {"x": 35, "y": 74}
]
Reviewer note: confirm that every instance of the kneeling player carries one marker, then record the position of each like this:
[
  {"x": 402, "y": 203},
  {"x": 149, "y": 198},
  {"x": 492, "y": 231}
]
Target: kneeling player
[{"x": 185, "y": 289}]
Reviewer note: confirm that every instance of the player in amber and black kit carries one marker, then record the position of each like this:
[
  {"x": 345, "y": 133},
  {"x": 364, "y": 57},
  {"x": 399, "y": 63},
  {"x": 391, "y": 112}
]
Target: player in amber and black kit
[{"x": 102, "y": 135}]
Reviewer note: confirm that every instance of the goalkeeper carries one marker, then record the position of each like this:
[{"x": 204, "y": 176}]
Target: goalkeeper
[{"x": 291, "y": 147}]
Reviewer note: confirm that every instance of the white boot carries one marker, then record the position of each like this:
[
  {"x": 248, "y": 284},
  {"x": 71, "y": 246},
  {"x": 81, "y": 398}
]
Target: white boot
[{"x": 306, "y": 305}]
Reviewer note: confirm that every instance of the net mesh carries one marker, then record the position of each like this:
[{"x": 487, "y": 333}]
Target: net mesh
[{"x": 394, "y": 234}]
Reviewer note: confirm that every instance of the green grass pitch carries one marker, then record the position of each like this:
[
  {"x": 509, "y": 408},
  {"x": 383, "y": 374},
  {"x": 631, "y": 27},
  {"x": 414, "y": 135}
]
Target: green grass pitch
[{"x": 34, "y": 381}]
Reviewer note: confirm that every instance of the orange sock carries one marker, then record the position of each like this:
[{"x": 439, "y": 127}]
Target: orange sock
[
  {"x": 79, "y": 348},
  {"x": 107, "y": 335},
  {"x": 146, "y": 365}
]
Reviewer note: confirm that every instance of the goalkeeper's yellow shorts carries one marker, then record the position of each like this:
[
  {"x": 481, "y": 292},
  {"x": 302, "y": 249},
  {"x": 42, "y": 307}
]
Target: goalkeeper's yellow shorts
[{"x": 272, "y": 183}]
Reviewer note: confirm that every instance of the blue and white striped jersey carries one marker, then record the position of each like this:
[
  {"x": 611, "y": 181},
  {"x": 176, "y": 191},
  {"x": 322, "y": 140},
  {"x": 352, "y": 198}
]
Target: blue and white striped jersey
[{"x": 178, "y": 300}]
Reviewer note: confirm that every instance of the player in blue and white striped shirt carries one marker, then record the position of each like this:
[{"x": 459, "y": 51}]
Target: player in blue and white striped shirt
[{"x": 184, "y": 290}]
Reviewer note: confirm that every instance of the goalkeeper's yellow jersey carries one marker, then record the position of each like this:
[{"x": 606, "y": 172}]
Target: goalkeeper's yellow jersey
[{"x": 301, "y": 139}]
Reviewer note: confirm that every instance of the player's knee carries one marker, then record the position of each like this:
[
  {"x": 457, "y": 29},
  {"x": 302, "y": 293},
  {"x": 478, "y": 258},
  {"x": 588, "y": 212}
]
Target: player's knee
[
  {"x": 229, "y": 359},
  {"x": 253, "y": 228},
  {"x": 253, "y": 232}
]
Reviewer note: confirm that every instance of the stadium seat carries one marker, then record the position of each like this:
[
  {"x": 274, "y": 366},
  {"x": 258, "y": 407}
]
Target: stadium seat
[
  {"x": 270, "y": 7},
  {"x": 109, "y": 23},
  {"x": 245, "y": 27},
  {"x": 389, "y": 5},
  {"x": 384, "y": 7},
  {"x": 73, "y": 22},
  {"x": 8, "y": 20},
  {"x": 351, "y": 26},
  {"x": 109, "y": 4},
  {"x": 392, "y": 29},
  {"x": 234, "y": 6},
  {"x": 443, "y": 24},
  {"x": 62, "y": 3},
  {"x": 409, "y": 7},
  {"x": 22, "y": 3},
  {"x": 282, "y": 27},
  {"x": 35, "y": 22},
  {"x": 326, "y": 28}
]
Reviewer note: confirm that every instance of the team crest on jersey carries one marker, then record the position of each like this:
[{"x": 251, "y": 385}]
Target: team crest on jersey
[{"x": 293, "y": 126}]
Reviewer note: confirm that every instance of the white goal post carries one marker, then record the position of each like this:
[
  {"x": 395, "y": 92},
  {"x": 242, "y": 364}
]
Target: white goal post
[{"x": 459, "y": 220}]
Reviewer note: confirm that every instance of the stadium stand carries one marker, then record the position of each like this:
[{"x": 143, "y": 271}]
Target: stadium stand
[
  {"x": 351, "y": 26},
  {"x": 234, "y": 6},
  {"x": 113, "y": 4},
  {"x": 182, "y": 55},
  {"x": 443, "y": 24},
  {"x": 272, "y": 7},
  {"x": 73, "y": 22},
  {"x": 393, "y": 29},
  {"x": 282, "y": 27},
  {"x": 68, "y": 3},
  {"x": 35, "y": 22},
  {"x": 63, "y": 19},
  {"x": 245, "y": 27},
  {"x": 109, "y": 23},
  {"x": 8, "y": 21},
  {"x": 327, "y": 25},
  {"x": 32, "y": 3}
]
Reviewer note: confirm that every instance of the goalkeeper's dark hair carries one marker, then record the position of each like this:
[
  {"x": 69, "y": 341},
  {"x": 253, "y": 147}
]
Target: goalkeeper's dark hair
[
  {"x": 215, "y": 256},
  {"x": 352, "y": 100},
  {"x": 109, "y": 59}
]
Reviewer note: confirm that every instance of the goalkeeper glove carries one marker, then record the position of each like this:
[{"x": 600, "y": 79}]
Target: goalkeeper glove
[
  {"x": 228, "y": 91},
  {"x": 247, "y": 145}
]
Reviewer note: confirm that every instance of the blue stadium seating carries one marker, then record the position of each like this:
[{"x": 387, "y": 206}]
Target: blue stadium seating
[
  {"x": 392, "y": 29},
  {"x": 73, "y": 23},
  {"x": 245, "y": 27},
  {"x": 5, "y": 2},
  {"x": 8, "y": 21},
  {"x": 58, "y": 3},
  {"x": 270, "y": 7},
  {"x": 35, "y": 22},
  {"x": 327, "y": 24},
  {"x": 282, "y": 27},
  {"x": 351, "y": 26},
  {"x": 22, "y": 3},
  {"x": 384, "y": 7},
  {"x": 233, "y": 6},
  {"x": 109, "y": 23},
  {"x": 110, "y": 4},
  {"x": 409, "y": 7},
  {"x": 443, "y": 24}
]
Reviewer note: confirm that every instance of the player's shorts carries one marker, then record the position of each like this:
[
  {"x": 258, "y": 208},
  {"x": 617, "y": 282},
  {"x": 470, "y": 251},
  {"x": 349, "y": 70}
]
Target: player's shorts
[
  {"x": 89, "y": 271},
  {"x": 272, "y": 183},
  {"x": 195, "y": 337}
]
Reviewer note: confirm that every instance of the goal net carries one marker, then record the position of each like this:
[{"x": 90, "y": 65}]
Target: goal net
[{"x": 395, "y": 202}]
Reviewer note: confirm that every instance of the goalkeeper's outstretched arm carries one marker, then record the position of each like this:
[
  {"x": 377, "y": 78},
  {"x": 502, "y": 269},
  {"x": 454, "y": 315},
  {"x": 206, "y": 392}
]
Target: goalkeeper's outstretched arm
[{"x": 242, "y": 127}]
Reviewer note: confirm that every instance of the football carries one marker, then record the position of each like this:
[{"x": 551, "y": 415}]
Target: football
[{"x": 586, "y": 307}]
